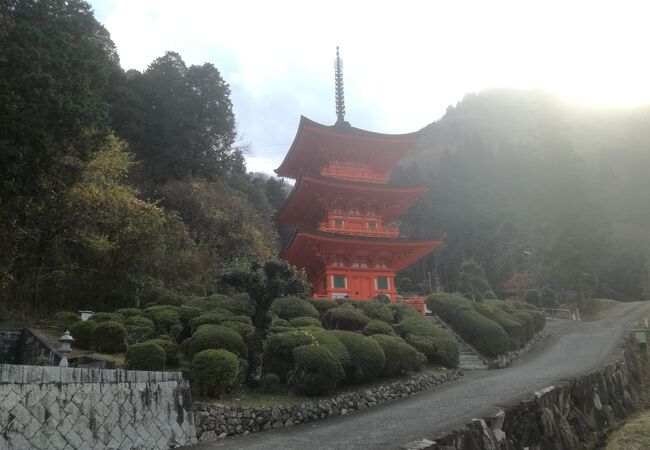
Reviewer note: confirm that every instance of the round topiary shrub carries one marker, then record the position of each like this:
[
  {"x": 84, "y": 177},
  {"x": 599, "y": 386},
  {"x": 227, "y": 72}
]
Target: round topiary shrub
[
  {"x": 214, "y": 371},
  {"x": 139, "y": 321},
  {"x": 400, "y": 357},
  {"x": 164, "y": 317},
  {"x": 401, "y": 311},
  {"x": 245, "y": 330},
  {"x": 242, "y": 373},
  {"x": 367, "y": 359},
  {"x": 298, "y": 322},
  {"x": 145, "y": 356},
  {"x": 82, "y": 332},
  {"x": 322, "y": 305},
  {"x": 239, "y": 304},
  {"x": 213, "y": 317},
  {"x": 187, "y": 313},
  {"x": 64, "y": 320},
  {"x": 291, "y": 307},
  {"x": 532, "y": 296},
  {"x": 316, "y": 370},
  {"x": 129, "y": 312},
  {"x": 377, "y": 311},
  {"x": 171, "y": 350},
  {"x": 279, "y": 352},
  {"x": 216, "y": 336},
  {"x": 106, "y": 317},
  {"x": 378, "y": 327},
  {"x": 271, "y": 383},
  {"x": 346, "y": 317},
  {"x": 109, "y": 337},
  {"x": 382, "y": 298},
  {"x": 278, "y": 322},
  {"x": 489, "y": 295},
  {"x": 548, "y": 298}
]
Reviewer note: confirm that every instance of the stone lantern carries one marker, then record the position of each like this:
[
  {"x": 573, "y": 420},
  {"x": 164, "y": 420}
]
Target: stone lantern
[{"x": 66, "y": 347}]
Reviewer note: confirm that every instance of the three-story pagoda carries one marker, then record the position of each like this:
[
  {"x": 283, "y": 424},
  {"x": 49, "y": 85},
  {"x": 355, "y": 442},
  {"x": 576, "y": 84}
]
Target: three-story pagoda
[{"x": 343, "y": 208}]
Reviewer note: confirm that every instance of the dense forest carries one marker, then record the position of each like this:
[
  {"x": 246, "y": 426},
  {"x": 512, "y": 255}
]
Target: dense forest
[
  {"x": 118, "y": 187},
  {"x": 524, "y": 182},
  {"x": 115, "y": 186}
]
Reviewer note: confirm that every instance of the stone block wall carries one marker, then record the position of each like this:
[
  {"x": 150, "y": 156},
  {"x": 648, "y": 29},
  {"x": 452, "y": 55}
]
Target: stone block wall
[
  {"x": 217, "y": 421},
  {"x": 558, "y": 417},
  {"x": 79, "y": 408}
]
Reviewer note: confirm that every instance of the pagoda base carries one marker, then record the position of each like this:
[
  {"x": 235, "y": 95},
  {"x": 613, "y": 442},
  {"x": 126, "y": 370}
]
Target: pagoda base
[{"x": 354, "y": 283}]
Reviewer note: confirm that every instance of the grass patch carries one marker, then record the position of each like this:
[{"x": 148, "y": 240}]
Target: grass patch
[{"x": 633, "y": 435}]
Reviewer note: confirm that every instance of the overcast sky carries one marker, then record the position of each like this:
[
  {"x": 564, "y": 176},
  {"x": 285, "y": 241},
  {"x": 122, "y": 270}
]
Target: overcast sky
[{"x": 404, "y": 61}]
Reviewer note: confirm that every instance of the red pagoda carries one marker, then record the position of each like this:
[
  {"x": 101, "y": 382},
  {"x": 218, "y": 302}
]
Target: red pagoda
[{"x": 343, "y": 207}]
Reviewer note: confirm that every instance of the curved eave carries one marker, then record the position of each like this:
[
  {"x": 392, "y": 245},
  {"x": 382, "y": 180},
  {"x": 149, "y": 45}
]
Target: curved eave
[
  {"x": 305, "y": 245},
  {"x": 302, "y": 203},
  {"x": 288, "y": 168}
]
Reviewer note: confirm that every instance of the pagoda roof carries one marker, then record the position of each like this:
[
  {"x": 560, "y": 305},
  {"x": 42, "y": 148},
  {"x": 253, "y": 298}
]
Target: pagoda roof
[
  {"x": 313, "y": 195},
  {"x": 310, "y": 248},
  {"x": 316, "y": 145}
]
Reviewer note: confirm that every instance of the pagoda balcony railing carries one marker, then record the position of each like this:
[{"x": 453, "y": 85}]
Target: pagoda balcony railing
[
  {"x": 343, "y": 174},
  {"x": 369, "y": 232}
]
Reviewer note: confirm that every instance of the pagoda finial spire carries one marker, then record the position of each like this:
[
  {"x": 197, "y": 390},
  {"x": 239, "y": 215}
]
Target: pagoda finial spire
[{"x": 338, "y": 83}]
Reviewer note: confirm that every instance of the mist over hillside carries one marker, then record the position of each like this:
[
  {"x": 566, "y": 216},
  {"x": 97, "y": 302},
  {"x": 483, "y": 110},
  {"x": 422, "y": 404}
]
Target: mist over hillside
[{"x": 523, "y": 181}]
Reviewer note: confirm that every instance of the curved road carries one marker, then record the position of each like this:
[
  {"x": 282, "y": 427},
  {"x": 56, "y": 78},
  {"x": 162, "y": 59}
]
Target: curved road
[{"x": 571, "y": 349}]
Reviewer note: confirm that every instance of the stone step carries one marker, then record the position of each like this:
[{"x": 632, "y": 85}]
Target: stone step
[{"x": 468, "y": 358}]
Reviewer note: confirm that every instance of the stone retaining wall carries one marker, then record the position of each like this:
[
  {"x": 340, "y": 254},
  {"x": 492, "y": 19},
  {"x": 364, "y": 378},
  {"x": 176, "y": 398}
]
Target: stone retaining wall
[
  {"x": 217, "y": 421},
  {"x": 558, "y": 417},
  {"x": 75, "y": 408}
]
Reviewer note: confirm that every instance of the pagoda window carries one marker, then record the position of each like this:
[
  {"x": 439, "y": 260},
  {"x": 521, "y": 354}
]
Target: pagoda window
[
  {"x": 338, "y": 223},
  {"x": 383, "y": 283},
  {"x": 339, "y": 281},
  {"x": 372, "y": 224}
]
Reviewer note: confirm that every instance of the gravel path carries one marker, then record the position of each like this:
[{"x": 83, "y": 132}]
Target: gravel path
[{"x": 571, "y": 349}]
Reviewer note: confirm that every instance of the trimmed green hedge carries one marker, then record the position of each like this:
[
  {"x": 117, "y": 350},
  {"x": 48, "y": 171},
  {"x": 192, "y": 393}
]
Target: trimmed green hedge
[
  {"x": 378, "y": 327},
  {"x": 109, "y": 337},
  {"x": 139, "y": 321},
  {"x": 316, "y": 370},
  {"x": 487, "y": 336},
  {"x": 291, "y": 307},
  {"x": 171, "y": 350},
  {"x": 438, "y": 346},
  {"x": 346, "y": 317},
  {"x": 401, "y": 358},
  {"x": 240, "y": 304},
  {"x": 216, "y": 336},
  {"x": 298, "y": 322},
  {"x": 516, "y": 332},
  {"x": 82, "y": 332},
  {"x": 213, "y": 317},
  {"x": 322, "y": 305},
  {"x": 214, "y": 371},
  {"x": 129, "y": 312},
  {"x": 145, "y": 356},
  {"x": 244, "y": 329},
  {"x": 279, "y": 352},
  {"x": 527, "y": 322},
  {"x": 402, "y": 311},
  {"x": 164, "y": 317},
  {"x": 65, "y": 319},
  {"x": 367, "y": 359},
  {"x": 106, "y": 317},
  {"x": 376, "y": 310}
]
